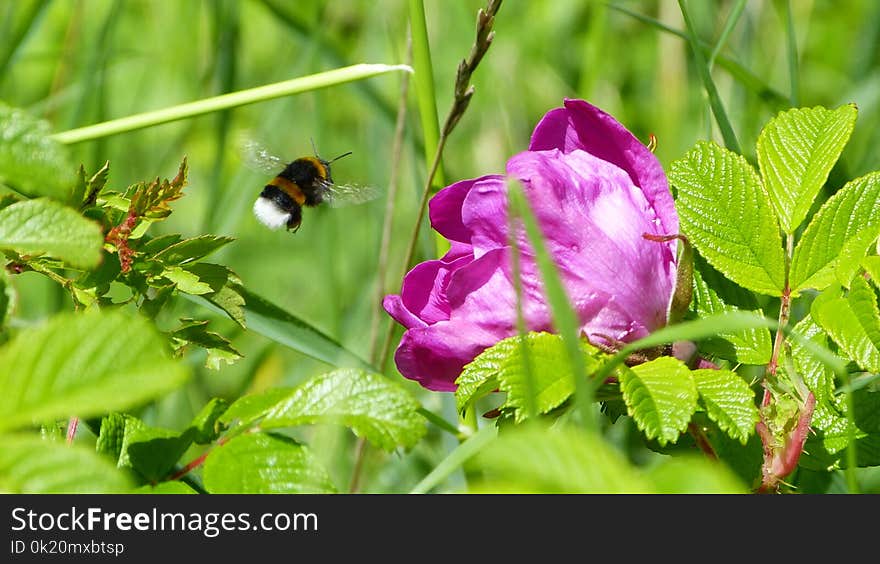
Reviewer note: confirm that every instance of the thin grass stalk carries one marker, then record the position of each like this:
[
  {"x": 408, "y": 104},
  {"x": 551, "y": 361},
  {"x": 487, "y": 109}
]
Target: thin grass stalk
[
  {"x": 388, "y": 220},
  {"x": 730, "y": 140},
  {"x": 424, "y": 86},
  {"x": 463, "y": 92},
  {"x": 299, "y": 85},
  {"x": 729, "y": 25}
]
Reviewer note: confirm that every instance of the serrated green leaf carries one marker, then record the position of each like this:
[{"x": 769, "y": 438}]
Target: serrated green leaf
[
  {"x": 838, "y": 236},
  {"x": 43, "y": 226},
  {"x": 725, "y": 212},
  {"x": 501, "y": 366},
  {"x": 729, "y": 402},
  {"x": 866, "y": 409},
  {"x": 33, "y": 466},
  {"x": 206, "y": 424},
  {"x": 186, "y": 281},
  {"x": 264, "y": 463},
  {"x": 158, "y": 244},
  {"x": 536, "y": 459},
  {"x": 715, "y": 294},
  {"x": 660, "y": 396},
  {"x": 219, "y": 348},
  {"x": 796, "y": 151},
  {"x": 816, "y": 375},
  {"x": 852, "y": 321},
  {"x": 152, "y": 452},
  {"x": 84, "y": 365},
  {"x": 871, "y": 264},
  {"x": 111, "y": 435},
  {"x": 226, "y": 293},
  {"x": 192, "y": 249},
  {"x": 480, "y": 376},
  {"x": 31, "y": 161},
  {"x": 369, "y": 404},
  {"x": 247, "y": 409}
]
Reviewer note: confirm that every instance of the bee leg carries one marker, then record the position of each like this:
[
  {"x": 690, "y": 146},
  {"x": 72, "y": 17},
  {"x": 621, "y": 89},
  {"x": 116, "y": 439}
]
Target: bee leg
[{"x": 295, "y": 219}]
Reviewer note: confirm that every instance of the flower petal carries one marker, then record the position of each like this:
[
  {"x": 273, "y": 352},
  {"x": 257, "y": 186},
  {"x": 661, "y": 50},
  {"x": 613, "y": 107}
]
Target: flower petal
[
  {"x": 593, "y": 218},
  {"x": 445, "y": 208},
  {"x": 580, "y": 125},
  {"x": 435, "y": 355}
]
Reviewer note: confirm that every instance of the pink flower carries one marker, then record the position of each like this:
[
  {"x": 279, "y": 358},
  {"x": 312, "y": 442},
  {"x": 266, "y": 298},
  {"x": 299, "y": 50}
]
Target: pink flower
[{"x": 595, "y": 190}]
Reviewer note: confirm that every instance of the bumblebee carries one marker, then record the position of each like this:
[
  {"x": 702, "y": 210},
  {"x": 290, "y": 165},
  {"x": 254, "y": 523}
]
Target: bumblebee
[{"x": 306, "y": 181}]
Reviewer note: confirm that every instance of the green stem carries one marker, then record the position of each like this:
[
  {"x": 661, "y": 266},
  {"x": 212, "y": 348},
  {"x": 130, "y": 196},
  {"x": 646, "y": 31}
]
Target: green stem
[
  {"x": 424, "y": 85},
  {"x": 717, "y": 106},
  {"x": 792, "y": 56},
  {"x": 735, "y": 13},
  {"x": 235, "y": 99}
]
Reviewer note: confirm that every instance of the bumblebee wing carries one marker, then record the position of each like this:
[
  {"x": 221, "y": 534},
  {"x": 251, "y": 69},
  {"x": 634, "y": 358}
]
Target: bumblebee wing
[
  {"x": 259, "y": 158},
  {"x": 340, "y": 195}
]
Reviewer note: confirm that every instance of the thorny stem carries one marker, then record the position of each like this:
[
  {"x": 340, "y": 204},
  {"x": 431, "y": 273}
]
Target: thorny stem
[
  {"x": 780, "y": 461},
  {"x": 462, "y": 96}
]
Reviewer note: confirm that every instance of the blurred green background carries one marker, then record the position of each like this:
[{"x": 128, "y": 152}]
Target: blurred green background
[{"x": 79, "y": 62}]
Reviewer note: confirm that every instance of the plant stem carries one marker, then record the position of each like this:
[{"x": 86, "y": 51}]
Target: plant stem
[
  {"x": 715, "y": 103},
  {"x": 462, "y": 95},
  {"x": 243, "y": 97},
  {"x": 387, "y": 222}
]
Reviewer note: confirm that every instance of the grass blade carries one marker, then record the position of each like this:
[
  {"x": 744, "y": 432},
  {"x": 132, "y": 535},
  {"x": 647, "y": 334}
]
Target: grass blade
[
  {"x": 299, "y": 85},
  {"x": 724, "y": 125}
]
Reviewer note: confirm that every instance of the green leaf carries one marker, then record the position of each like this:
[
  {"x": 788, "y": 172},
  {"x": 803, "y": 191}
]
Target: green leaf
[
  {"x": 186, "y": 281},
  {"x": 83, "y": 364},
  {"x": 852, "y": 321},
  {"x": 85, "y": 192},
  {"x": 552, "y": 378},
  {"x": 838, "y": 236},
  {"x": 227, "y": 293},
  {"x": 264, "y": 463},
  {"x": 538, "y": 459},
  {"x": 269, "y": 320},
  {"x": 43, "y": 226},
  {"x": 152, "y": 452},
  {"x": 247, "y": 409},
  {"x": 172, "y": 487},
  {"x": 8, "y": 297},
  {"x": 729, "y": 402},
  {"x": 479, "y": 377},
  {"x": 33, "y": 466},
  {"x": 111, "y": 435},
  {"x": 692, "y": 474},
  {"x": 370, "y": 404},
  {"x": 725, "y": 212},
  {"x": 194, "y": 332},
  {"x": 30, "y": 161},
  {"x": 796, "y": 151},
  {"x": 206, "y": 425},
  {"x": 715, "y": 294},
  {"x": 192, "y": 249},
  {"x": 660, "y": 396}
]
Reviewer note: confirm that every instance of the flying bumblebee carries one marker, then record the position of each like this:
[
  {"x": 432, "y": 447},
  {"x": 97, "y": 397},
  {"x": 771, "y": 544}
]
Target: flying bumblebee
[{"x": 305, "y": 181}]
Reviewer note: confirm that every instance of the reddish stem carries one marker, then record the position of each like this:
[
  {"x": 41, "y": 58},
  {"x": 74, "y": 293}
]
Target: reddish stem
[
  {"x": 72, "y": 424},
  {"x": 702, "y": 441},
  {"x": 193, "y": 464},
  {"x": 779, "y": 463}
]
